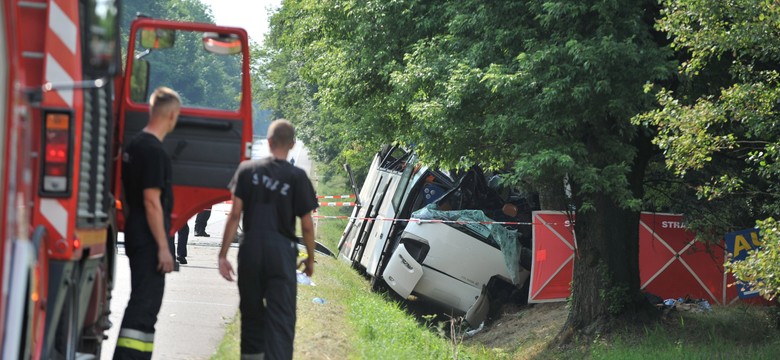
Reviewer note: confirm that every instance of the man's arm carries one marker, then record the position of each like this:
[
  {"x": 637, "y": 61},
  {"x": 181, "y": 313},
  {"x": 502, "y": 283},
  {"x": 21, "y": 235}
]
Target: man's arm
[
  {"x": 154, "y": 217},
  {"x": 231, "y": 227},
  {"x": 307, "y": 227}
]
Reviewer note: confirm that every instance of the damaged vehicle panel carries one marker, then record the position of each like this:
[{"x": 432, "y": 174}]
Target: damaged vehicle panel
[
  {"x": 424, "y": 235},
  {"x": 385, "y": 194}
]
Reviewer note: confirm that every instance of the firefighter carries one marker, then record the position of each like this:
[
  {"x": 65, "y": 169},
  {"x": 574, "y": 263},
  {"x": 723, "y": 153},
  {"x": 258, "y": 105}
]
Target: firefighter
[
  {"x": 147, "y": 181},
  {"x": 271, "y": 192},
  {"x": 200, "y": 223}
]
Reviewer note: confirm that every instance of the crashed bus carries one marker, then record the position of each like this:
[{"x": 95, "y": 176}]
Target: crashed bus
[
  {"x": 462, "y": 242},
  {"x": 454, "y": 240}
]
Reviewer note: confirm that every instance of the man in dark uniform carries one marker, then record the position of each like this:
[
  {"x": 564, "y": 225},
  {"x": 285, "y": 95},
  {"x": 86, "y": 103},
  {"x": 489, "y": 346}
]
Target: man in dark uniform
[
  {"x": 181, "y": 246},
  {"x": 271, "y": 193},
  {"x": 200, "y": 223},
  {"x": 147, "y": 181}
]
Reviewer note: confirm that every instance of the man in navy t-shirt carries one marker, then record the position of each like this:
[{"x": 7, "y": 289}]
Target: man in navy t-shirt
[
  {"x": 271, "y": 193},
  {"x": 147, "y": 182}
]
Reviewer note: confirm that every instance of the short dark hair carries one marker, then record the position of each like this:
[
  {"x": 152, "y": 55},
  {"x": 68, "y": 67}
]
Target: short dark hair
[
  {"x": 162, "y": 99},
  {"x": 281, "y": 132}
]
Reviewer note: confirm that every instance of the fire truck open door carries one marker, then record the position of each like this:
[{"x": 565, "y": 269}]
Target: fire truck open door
[{"x": 214, "y": 131}]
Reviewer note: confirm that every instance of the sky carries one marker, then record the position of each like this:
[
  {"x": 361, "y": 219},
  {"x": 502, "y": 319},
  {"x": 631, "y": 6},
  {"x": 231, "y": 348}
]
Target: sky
[{"x": 251, "y": 15}]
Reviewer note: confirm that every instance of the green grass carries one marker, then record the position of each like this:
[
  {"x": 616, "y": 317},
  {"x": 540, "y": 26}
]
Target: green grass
[
  {"x": 329, "y": 230},
  {"x": 230, "y": 345},
  {"x": 728, "y": 332},
  {"x": 370, "y": 326},
  {"x": 356, "y": 323}
]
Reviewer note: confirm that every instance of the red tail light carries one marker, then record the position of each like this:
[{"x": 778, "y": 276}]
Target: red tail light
[{"x": 57, "y": 153}]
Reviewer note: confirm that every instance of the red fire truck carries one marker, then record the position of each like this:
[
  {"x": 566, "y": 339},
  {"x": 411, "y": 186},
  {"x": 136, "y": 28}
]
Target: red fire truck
[{"x": 66, "y": 108}]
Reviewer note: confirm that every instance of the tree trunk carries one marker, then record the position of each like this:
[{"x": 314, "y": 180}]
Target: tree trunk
[
  {"x": 552, "y": 195},
  {"x": 606, "y": 267},
  {"x": 606, "y": 283}
]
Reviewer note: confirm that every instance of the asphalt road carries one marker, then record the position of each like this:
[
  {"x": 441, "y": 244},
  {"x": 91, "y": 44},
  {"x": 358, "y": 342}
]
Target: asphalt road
[{"x": 198, "y": 302}]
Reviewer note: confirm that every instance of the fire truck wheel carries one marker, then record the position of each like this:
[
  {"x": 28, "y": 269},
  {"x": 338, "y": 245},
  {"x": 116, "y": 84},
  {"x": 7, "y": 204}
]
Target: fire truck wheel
[
  {"x": 91, "y": 346},
  {"x": 67, "y": 336}
]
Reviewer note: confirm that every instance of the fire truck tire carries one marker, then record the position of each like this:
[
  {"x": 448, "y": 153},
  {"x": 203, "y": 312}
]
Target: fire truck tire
[
  {"x": 92, "y": 336},
  {"x": 91, "y": 347},
  {"x": 67, "y": 339}
]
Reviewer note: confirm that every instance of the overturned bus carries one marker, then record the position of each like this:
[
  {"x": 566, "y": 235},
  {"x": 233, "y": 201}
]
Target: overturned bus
[{"x": 455, "y": 240}]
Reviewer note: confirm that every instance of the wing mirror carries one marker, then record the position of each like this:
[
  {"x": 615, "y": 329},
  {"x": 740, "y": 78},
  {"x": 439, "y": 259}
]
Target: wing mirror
[
  {"x": 153, "y": 38},
  {"x": 221, "y": 44}
]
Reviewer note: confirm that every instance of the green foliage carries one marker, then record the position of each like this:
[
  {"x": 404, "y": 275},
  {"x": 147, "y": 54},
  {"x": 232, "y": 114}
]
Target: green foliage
[
  {"x": 217, "y": 82},
  {"x": 616, "y": 296},
  {"x": 329, "y": 230},
  {"x": 543, "y": 88},
  {"x": 718, "y": 128},
  {"x": 201, "y": 78},
  {"x": 177, "y": 10}
]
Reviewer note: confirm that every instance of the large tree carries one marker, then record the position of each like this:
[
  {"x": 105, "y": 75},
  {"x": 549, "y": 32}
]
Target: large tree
[
  {"x": 719, "y": 129},
  {"x": 564, "y": 110},
  {"x": 544, "y": 89}
]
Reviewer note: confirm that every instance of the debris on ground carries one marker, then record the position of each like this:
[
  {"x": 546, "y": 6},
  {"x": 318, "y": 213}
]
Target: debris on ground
[
  {"x": 473, "y": 332},
  {"x": 304, "y": 279},
  {"x": 684, "y": 304}
]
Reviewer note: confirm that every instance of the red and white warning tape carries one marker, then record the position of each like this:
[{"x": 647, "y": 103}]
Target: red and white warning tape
[
  {"x": 337, "y": 204},
  {"x": 422, "y": 221},
  {"x": 340, "y": 203},
  {"x": 336, "y": 196}
]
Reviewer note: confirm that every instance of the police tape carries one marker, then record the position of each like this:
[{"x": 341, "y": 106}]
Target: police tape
[
  {"x": 337, "y": 204},
  {"x": 328, "y": 204},
  {"x": 352, "y": 196},
  {"x": 422, "y": 221}
]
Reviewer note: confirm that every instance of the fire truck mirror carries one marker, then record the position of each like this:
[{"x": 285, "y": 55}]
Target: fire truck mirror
[
  {"x": 221, "y": 44},
  {"x": 102, "y": 36},
  {"x": 139, "y": 81},
  {"x": 155, "y": 38}
]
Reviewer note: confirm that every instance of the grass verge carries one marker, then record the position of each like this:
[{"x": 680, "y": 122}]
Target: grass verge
[
  {"x": 351, "y": 322},
  {"x": 230, "y": 347},
  {"x": 329, "y": 230},
  {"x": 727, "y": 332}
]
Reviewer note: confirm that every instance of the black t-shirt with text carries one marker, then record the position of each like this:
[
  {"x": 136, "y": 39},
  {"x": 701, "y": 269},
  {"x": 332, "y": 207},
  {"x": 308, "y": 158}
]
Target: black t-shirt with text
[
  {"x": 274, "y": 193},
  {"x": 145, "y": 165}
]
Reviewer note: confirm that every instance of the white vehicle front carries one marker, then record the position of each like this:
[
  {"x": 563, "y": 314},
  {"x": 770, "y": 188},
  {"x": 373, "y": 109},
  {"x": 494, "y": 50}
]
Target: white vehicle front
[{"x": 445, "y": 264}]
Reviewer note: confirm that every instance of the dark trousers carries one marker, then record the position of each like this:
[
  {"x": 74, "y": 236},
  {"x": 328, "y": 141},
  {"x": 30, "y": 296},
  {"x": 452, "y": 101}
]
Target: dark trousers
[
  {"x": 267, "y": 287},
  {"x": 200, "y": 221},
  {"x": 181, "y": 247},
  {"x": 136, "y": 336}
]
